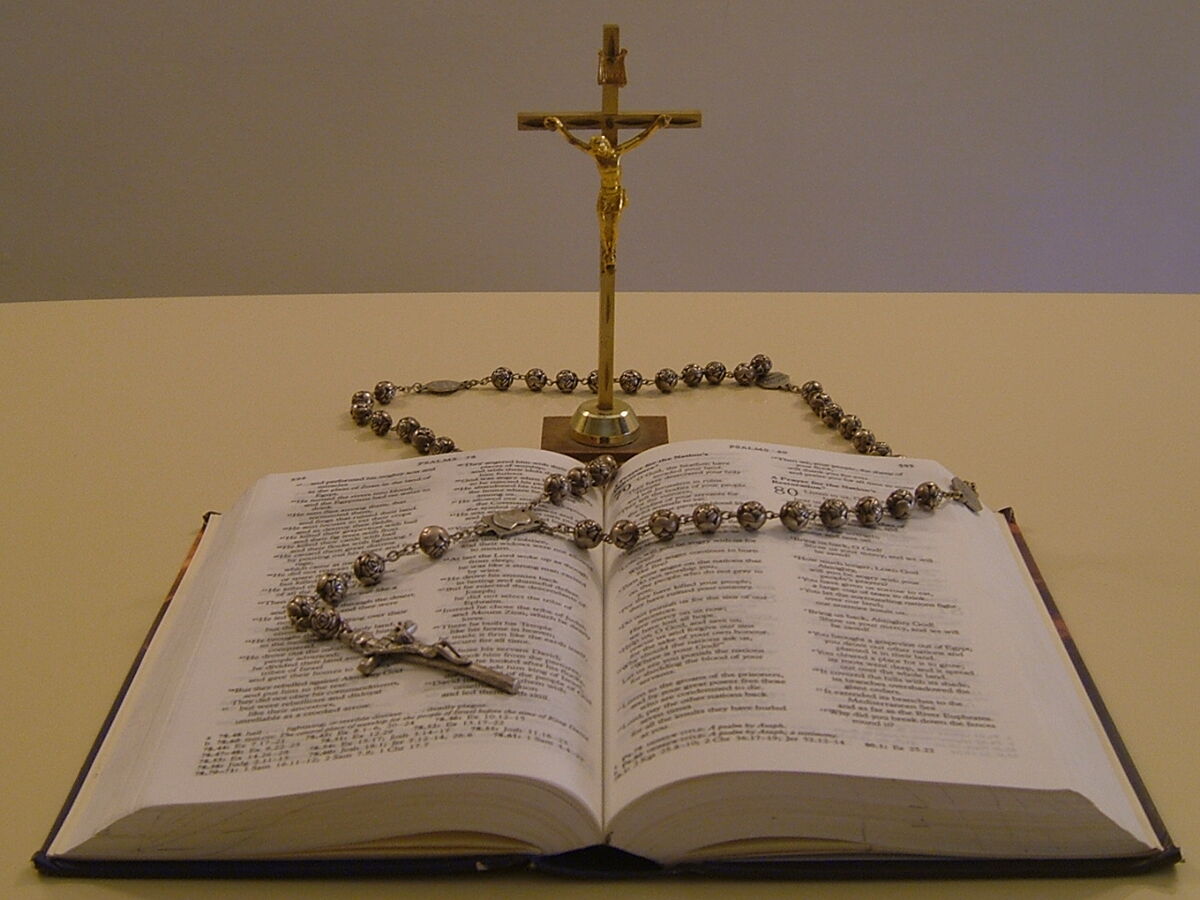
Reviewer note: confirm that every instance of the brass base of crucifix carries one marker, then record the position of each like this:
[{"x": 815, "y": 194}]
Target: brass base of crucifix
[{"x": 605, "y": 423}]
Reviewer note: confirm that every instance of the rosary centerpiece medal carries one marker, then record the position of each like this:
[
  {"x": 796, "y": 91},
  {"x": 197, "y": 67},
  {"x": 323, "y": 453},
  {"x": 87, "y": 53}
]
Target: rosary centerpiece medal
[{"x": 604, "y": 423}]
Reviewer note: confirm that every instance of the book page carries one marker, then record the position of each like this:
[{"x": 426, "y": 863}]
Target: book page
[
  {"x": 902, "y": 651},
  {"x": 266, "y": 711}
]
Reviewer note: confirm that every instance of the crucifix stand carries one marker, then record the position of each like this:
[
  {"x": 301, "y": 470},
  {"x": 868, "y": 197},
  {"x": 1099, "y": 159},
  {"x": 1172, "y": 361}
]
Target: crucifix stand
[{"x": 605, "y": 423}]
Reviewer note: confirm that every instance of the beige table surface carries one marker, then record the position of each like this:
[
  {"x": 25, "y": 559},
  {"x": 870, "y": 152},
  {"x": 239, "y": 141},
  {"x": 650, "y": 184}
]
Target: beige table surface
[{"x": 122, "y": 421}]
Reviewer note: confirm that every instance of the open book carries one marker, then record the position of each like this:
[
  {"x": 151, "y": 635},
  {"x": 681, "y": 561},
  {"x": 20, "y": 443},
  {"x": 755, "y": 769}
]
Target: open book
[{"x": 736, "y": 699}]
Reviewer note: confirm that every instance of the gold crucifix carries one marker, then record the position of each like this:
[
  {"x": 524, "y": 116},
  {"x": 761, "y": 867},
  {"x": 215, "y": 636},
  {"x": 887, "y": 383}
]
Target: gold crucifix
[{"x": 605, "y": 422}]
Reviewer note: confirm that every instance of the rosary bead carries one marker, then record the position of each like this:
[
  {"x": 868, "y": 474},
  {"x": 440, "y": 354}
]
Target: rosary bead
[
  {"x": 299, "y": 609},
  {"x": 324, "y": 622},
  {"x": 566, "y": 381},
  {"x": 809, "y": 388},
  {"x": 848, "y": 425},
  {"x": 624, "y": 534},
  {"x": 831, "y": 414},
  {"x": 715, "y": 372},
  {"x": 361, "y": 413},
  {"x": 332, "y": 587},
  {"x": 761, "y": 364},
  {"x": 900, "y": 503},
  {"x": 593, "y": 381},
  {"x": 362, "y": 398},
  {"x": 578, "y": 481},
  {"x": 405, "y": 428},
  {"x": 555, "y": 488},
  {"x": 664, "y": 524},
  {"x": 502, "y": 378},
  {"x": 834, "y": 514},
  {"x": 863, "y": 441},
  {"x": 665, "y": 380},
  {"x": 602, "y": 469},
  {"x": 881, "y": 449},
  {"x": 794, "y": 515},
  {"x": 869, "y": 511},
  {"x": 380, "y": 422},
  {"x": 443, "y": 445},
  {"x": 692, "y": 374},
  {"x": 818, "y": 401},
  {"x": 422, "y": 439},
  {"x": 536, "y": 379},
  {"x": 752, "y": 515},
  {"x": 929, "y": 495},
  {"x": 369, "y": 568},
  {"x": 434, "y": 541},
  {"x": 630, "y": 381},
  {"x": 385, "y": 392},
  {"x": 587, "y": 534},
  {"x": 707, "y": 518},
  {"x": 744, "y": 374}
]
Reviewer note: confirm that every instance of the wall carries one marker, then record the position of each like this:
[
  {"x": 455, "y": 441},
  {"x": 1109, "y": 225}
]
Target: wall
[{"x": 190, "y": 148}]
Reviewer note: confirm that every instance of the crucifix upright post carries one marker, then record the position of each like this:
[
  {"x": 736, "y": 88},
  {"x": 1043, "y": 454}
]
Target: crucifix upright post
[{"x": 606, "y": 422}]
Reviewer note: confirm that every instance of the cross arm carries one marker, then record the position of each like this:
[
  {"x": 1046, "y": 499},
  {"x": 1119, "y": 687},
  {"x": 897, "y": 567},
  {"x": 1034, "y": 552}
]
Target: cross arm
[{"x": 597, "y": 121}]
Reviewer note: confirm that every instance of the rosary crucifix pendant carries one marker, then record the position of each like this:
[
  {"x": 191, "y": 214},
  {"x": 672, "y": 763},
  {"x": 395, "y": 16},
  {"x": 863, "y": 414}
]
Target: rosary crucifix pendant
[{"x": 402, "y": 645}]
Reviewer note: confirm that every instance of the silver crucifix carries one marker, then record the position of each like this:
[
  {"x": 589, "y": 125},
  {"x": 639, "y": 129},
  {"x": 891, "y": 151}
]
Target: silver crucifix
[{"x": 402, "y": 645}]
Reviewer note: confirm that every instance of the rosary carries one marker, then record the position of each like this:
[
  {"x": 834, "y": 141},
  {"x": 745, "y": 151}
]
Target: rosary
[{"x": 317, "y": 613}]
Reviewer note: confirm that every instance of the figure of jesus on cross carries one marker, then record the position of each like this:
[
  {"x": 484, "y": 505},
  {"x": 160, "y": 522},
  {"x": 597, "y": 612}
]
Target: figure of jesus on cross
[{"x": 612, "y": 198}]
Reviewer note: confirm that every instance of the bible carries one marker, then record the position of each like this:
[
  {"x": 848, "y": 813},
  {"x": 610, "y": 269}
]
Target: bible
[{"x": 892, "y": 700}]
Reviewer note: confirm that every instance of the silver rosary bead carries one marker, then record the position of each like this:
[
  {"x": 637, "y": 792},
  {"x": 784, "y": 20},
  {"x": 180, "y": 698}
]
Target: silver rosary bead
[
  {"x": 881, "y": 449},
  {"x": 536, "y": 379},
  {"x": 900, "y": 503},
  {"x": 332, "y": 587},
  {"x": 869, "y": 511},
  {"x": 579, "y": 480},
  {"x": 809, "y": 388},
  {"x": 385, "y": 392},
  {"x": 593, "y": 381},
  {"x": 744, "y": 374},
  {"x": 929, "y": 496},
  {"x": 848, "y": 425},
  {"x": 795, "y": 515},
  {"x": 434, "y": 541},
  {"x": 831, "y": 414},
  {"x": 555, "y": 488},
  {"x": 602, "y": 469},
  {"x": 405, "y": 428},
  {"x": 587, "y": 534},
  {"x": 369, "y": 568},
  {"x": 624, "y": 534},
  {"x": 566, "y": 381},
  {"x": 380, "y": 422},
  {"x": 665, "y": 380},
  {"x": 443, "y": 445},
  {"x": 761, "y": 364},
  {"x": 863, "y": 440},
  {"x": 707, "y": 518},
  {"x": 692, "y": 374},
  {"x": 299, "y": 609},
  {"x": 715, "y": 372},
  {"x": 362, "y": 398},
  {"x": 752, "y": 515},
  {"x": 664, "y": 524},
  {"x": 630, "y": 381},
  {"x": 361, "y": 413},
  {"x": 834, "y": 514},
  {"x": 818, "y": 401},
  {"x": 502, "y": 378},
  {"x": 423, "y": 439},
  {"x": 324, "y": 622}
]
